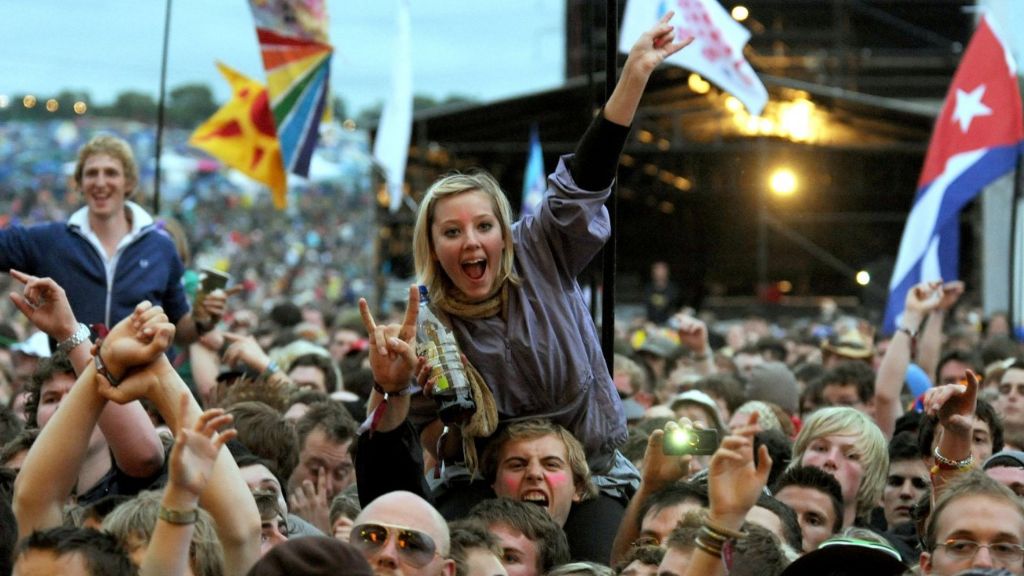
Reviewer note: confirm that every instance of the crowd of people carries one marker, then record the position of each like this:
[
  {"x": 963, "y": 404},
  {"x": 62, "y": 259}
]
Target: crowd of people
[{"x": 154, "y": 428}]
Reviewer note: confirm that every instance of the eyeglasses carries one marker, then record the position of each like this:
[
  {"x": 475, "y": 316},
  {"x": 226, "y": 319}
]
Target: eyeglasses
[
  {"x": 897, "y": 481},
  {"x": 1005, "y": 552},
  {"x": 414, "y": 547}
]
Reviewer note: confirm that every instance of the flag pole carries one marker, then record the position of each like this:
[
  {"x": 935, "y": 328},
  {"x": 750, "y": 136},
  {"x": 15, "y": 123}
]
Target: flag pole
[
  {"x": 608, "y": 256},
  {"x": 160, "y": 110},
  {"x": 1013, "y": 307}
]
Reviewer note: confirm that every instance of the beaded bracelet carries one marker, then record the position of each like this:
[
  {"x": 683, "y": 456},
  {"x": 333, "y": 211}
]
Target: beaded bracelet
[{"x": 943, "y": 463}]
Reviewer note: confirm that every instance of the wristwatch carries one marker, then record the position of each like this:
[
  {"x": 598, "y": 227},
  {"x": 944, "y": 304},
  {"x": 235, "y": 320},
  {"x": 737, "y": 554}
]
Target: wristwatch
[
  {"x": 80, "y": 335},
  {"x": 101, "y": 366}
]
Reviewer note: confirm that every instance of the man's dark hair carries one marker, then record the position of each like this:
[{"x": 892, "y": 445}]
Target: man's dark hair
[
  {"x": 307, "y": 396},
  {"x": 46, "y": 370},
  {"x": 983, "y": 410},
  {"x": 815, "y": 479},
  {"x": 903, "y": 446},
  {"x": 532, "y": 522},
  {"x": 266, "y": 433},
  {"x": 103, "y": 554},
  {"x": 98, "y": 510},
  {"x": 469, "y": 534},
  {"x": 758, "y": 554},
  {"x": 286, "y": 314},
  {"x": 10, "y": 425},
  {"x": 8, "y": 536},
  {"x": 852, "y": 373},
  {"x": 812, "y": 395},
  {"x": 780, "y": 449},
  {"x": 772, "y": 348},
  {"x": 7, "y": 478},
  {"x": 724, "y": 386},
  {"x": 323, "y": 363},
  {"x": 808, "y": 371},
  {"x": 959, "y": 355},
  {"x": 331, "y": 417},
  {"x": 250, "y": 459},
  {"x": 675, "y": 493},
  {"x": 23, "y": 441},
  {"x": 645, "y": 554},
  {"x": 787, "y": 517}
]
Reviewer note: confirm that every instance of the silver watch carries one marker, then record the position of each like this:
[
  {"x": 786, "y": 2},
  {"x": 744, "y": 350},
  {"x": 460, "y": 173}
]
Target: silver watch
[{"x": 81, "y": 334}]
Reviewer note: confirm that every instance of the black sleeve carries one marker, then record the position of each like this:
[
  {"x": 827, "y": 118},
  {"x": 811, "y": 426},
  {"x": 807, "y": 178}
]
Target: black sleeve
[
  {"x": 389, "y": 461},
  {"x": 597, "y": 154}
]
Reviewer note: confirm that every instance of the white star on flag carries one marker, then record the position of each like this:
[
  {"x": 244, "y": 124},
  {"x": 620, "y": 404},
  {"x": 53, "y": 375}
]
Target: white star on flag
[{"x": 969, "y": 105}]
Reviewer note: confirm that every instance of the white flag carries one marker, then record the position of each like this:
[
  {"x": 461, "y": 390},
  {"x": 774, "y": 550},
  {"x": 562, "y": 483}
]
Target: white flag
[
  {"x": 717, "y": 49},
  {"x": 391, "y": 147}
]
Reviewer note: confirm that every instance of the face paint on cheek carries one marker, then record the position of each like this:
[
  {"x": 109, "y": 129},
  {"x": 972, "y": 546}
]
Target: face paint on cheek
[
  {"x": 558, "y": 478},
  {"x": 511, "y": 484}
]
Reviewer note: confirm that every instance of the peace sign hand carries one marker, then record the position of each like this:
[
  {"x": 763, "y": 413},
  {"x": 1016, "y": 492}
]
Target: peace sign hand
[{"x": 393, "y": 347}]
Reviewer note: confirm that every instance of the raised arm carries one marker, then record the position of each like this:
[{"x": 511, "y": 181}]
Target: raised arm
[
  {"x": 650, "y": 50},
  {"x": 693, "y": 334},
  {"x": 52, "y": 466},
  {"x": 191, "y": 468},
  {"x": 393, "y": 361},
  {"x": 659, "y": 470},
  {"x": 129, "y": 432},
  {"x": 921, "y": 299},
  {"x": 954, "y": 405},
  {"x": 734, "y": 485},
  {"x": 226, "y": 497},
  {"x": 929, "y": 351}
]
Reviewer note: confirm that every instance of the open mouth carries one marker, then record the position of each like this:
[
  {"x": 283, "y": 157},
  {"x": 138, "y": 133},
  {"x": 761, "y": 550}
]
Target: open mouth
[
  {"x": 538, "y": 498},
  {"x": 475, "y": 269}
]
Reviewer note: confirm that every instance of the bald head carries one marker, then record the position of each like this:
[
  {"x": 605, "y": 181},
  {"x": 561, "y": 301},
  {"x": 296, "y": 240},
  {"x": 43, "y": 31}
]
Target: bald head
[{"x": 406, "y": 509}]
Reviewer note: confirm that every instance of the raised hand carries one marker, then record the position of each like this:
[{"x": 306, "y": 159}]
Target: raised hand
[
  {"x": 660, "y": 469},
  {"x": 693, "y": 333},
  {"x": 654, "y": 46},
  {"x": 734, "y": 482},
  {"x": 310, "y": 502},
  {"x": 138, "y": 339},
  {"x": 393, "y": 347},
  {"x": 951, "y": 292},
  {"x": 954, "y": 404},
  {"x": 650, "y": 50},
  {"x": 196, "y": 448},
  {"x": 921, "y": 299},
  {"x": 245, "y": 350},
  {"x": 45, "y": 304}
]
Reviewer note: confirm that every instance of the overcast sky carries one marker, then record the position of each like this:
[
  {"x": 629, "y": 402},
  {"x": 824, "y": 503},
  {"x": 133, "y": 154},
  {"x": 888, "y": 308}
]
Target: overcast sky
[{"x": 481, "y": 49}]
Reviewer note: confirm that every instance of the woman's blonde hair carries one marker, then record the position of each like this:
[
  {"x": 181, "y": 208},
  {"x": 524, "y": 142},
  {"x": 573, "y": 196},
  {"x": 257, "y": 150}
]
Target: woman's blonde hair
[
  {"x": 428, "y": 270},
  {"x": 845, "y": 421},
  {"x": 137, "y": 518}
]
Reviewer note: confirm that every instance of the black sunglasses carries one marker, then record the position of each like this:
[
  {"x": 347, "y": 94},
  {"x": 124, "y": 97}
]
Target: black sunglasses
[{"x": 415, "y": 547}]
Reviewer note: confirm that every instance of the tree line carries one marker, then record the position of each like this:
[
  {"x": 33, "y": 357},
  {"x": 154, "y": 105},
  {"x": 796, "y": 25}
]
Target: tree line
[{"x": 186, "y": 106}]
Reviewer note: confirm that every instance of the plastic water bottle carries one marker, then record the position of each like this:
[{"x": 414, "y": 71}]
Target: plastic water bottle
[{"x": 437, "y": 344}]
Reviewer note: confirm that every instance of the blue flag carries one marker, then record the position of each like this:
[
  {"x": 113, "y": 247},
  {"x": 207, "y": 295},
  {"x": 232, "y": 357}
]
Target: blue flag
[{"x": 534, "y": 180}]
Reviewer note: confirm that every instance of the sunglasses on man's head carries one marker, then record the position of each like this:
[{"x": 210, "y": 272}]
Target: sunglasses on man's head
[{"x": 414, "y": 547}]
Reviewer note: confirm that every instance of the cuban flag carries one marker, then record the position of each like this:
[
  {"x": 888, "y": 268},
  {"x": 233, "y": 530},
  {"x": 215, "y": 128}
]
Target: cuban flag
[
  {"x": 717, "y": 49},
  {"x": 977, "y": 139},
  {"x": 534, "y": 180}
]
